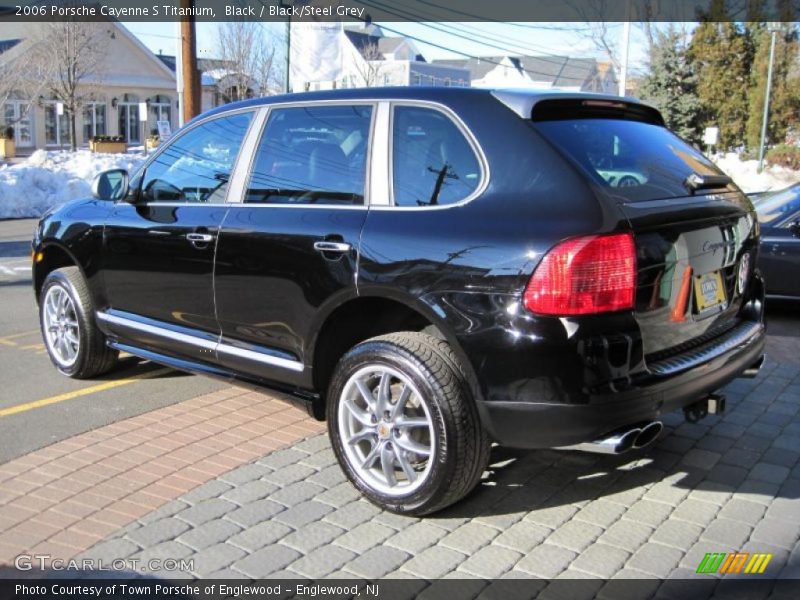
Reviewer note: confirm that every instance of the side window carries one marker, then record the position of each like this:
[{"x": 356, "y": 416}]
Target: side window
[
  {"x": 196, "y": 167},
  {"x": 432, "y": 162},
  {"x": 312, "y": 155}
]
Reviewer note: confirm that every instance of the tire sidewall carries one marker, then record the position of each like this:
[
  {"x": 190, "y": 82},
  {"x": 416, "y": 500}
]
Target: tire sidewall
[
  {"x": 58, "y": 278},
  {"x": 382, "y": 353}
]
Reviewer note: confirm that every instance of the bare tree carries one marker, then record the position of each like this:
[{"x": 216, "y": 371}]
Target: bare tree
[
  {"x": 70, "y": 56},
  {"x": 19, "y": 80},
  {"x": 248, "y": 59},
  {"x": 369, "y": 69}
]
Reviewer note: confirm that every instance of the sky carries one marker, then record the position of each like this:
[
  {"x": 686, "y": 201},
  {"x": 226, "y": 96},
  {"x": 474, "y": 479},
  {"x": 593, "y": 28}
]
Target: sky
[{"x": 446, "y": 40}]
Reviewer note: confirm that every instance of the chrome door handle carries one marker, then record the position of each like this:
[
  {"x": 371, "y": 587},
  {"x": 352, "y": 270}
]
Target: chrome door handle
[
  {"x": 340, "y": 247},
  {"x": 200, "y": 238}
]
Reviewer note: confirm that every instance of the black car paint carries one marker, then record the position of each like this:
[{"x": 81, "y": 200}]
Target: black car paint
[{"x": 539, "y": 381}]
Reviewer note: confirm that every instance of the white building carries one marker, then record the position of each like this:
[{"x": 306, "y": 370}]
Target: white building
[{"x": 538, "y": 72}]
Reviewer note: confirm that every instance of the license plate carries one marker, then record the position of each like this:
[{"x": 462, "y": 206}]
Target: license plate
[{"x": 708, "y": 290}]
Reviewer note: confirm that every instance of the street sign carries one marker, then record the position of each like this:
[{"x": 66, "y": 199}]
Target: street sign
[
  {"x": 711, "y": 136},
  {"x": 60, "y": 109},
  {"x": 164, "y": 130},
  {"x": 143, "y": 111}
]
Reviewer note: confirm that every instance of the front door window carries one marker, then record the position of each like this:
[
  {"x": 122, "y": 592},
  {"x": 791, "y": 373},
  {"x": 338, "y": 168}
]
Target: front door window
[
  {"x": 56, "y": 127},
  {"x": 94, "y": 120},
  {"x": 129, "y": 126}
]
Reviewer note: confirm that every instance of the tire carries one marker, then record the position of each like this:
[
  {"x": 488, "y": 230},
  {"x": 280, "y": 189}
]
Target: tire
[
  {"x": 429, "y": 450},
  {"x": 75, "y": 345}
]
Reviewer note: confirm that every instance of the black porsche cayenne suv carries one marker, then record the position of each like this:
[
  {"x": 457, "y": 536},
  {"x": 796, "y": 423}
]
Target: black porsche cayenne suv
[{"x": 430, "y": 270}]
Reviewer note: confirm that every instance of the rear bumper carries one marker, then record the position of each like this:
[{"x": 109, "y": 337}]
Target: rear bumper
[{"x": 522, "y": 424}]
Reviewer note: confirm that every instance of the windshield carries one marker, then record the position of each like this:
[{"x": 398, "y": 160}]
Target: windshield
[
  {"x": 633, "y": 160},
  {"x": 772, "y": 209}
]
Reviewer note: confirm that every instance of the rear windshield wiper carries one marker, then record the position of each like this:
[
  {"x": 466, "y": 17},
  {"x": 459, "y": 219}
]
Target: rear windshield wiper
[{"x": 696, "y": 182}]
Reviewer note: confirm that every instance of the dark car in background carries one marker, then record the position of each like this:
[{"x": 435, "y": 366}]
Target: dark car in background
[
  {"x": 779, "y": 259},
  {"x": 429, "y": 269}
]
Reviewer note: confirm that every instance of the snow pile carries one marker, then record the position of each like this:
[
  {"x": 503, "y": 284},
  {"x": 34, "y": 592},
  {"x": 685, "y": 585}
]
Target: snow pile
[
  {"x": 745, "y": 174},
  {"x": 48, "y": 179}
]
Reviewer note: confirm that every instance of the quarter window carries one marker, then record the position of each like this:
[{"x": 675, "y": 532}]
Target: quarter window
[
  {"x": 196, "y": 167},
  {"x": 312, "y": 155},
  {"x": 432, "y": 162}
]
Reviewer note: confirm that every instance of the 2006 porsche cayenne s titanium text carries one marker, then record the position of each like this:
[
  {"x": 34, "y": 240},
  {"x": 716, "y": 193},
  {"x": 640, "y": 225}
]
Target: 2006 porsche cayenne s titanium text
[{"x": 429, "y": 269}]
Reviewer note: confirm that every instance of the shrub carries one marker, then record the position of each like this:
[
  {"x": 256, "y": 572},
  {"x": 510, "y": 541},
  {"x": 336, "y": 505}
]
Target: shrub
[
  {"x": 108, "y": 138},
  {"x": 784, "y": 155},
  {"x": 7, "y": 133}
]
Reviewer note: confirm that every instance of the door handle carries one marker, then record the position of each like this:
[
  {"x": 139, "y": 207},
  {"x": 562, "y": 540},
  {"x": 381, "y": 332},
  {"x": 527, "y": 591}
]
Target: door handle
[
  {"x": 200, "y": 238},
  {"x": 340, "y": 247}
]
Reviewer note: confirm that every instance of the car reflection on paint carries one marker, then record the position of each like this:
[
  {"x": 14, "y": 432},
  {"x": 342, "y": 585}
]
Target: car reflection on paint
[{"x": 779, "y": 259}]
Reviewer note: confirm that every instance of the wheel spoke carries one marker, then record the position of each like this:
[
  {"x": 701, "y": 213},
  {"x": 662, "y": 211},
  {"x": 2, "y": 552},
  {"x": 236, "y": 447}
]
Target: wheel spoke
[
  {"x": 387, "y": 464},
  {"x": 405, "y": 394},
  {"x": 366, "y": 393},
  {"x": 406, "y": 443},
  {"x": 411, "y": 474},
  {"x": 63, "y": 300},
  {"x": 384, "y": 393},
  {"x": 411, "y": 422},
  {"x": 373, "y": 455},
  {"x": 365, "y": 434},
  {"x": 360, "y": 415},
  {"x": 71, "y": 337}
]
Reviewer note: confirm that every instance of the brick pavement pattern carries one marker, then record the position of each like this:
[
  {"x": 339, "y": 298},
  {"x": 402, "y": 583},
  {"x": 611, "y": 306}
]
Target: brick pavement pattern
[
  {"x": 65, "y": 498},
  {"x": 722, "y": 485}
]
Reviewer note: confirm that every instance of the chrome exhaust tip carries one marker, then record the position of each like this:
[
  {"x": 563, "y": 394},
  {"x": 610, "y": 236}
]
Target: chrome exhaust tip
[
  {"x": 648, "y": 434},
  {"x": 613, "y": 444},
  {"x": 752, "y": 371}
]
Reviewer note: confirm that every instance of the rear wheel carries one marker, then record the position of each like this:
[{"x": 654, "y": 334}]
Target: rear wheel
[
  {"x": 403, "y": 425},
  {"x": 66, "y": 316}
]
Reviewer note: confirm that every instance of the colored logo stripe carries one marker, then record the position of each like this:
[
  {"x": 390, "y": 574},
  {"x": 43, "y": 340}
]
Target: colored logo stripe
[
  {"x": 758, "y": 563},
  {"x": 725, "y": 563}
]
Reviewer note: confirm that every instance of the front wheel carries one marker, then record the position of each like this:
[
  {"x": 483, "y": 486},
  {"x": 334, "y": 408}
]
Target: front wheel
[
  {"x": 403, "y": 424},
  {"x": 66, "y": 315}
]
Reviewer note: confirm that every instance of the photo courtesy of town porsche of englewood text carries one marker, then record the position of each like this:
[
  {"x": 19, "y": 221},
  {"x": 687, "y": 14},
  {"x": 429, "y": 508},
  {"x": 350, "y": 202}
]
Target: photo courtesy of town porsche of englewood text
[{"x": 420, "y": 299}]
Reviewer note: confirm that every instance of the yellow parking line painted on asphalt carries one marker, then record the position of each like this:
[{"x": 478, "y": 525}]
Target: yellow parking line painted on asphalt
[
  {"x": 7, "y": 340},
  {"x": 38, "y": 346},
  {"x": 13, "y": 410}
]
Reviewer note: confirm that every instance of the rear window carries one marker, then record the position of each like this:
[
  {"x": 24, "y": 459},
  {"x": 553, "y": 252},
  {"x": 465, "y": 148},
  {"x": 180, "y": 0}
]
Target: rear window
[{"x": 632, "y": 160}]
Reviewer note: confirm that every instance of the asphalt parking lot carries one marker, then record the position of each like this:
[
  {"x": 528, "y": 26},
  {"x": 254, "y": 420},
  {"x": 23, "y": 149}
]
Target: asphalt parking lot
[
  {"x": 148, "y": 464},
  {"x": 37, "y": 405}
]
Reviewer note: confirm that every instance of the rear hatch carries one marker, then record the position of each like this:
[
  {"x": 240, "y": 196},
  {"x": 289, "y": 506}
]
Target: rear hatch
[{"x": 694, "y": 230}]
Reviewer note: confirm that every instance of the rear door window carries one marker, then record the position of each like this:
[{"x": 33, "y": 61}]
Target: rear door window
[
  {"x": 312, "y": 155},
  {"x": 433, "y": 163},
  {"x": 634, "y": 160}
]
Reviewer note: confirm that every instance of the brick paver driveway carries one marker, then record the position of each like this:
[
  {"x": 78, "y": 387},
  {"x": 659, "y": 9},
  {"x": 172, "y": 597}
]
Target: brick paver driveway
[{"x": 724, "y": 485}]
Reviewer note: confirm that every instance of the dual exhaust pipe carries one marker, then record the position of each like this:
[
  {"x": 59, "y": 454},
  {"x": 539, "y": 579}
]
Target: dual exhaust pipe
[{"x": 626, "y": 439}]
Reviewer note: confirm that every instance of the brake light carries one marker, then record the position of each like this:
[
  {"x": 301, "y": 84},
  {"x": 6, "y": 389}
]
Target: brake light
[{"x": 582, "y": 276}]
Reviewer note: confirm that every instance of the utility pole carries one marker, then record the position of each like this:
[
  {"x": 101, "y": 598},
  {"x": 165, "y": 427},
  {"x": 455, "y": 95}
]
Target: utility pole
[
  {"x": 191, "y": 77},
  {"x": 773, "y": 29},
  {"x": 179, "y": 70}
]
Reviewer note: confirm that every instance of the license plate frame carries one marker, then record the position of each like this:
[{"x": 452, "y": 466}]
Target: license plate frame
[{"x": 709, "y": 292}]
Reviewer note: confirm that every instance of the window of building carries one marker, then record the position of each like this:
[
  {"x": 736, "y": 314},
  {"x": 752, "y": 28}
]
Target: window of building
[
  {"x": 197, "y": 166},
  {"x": 94, "y": 120},
  {"x": 312, "y": 155},
  {"x": 432, "y": 162},
  {"x": 446, "y": 82},
  {"x": 56, "y": 127},
  {"x": 128, "y": 119},
  {"x": 161, "y": 107},
  {"x": 17, "y": 114},
  {"x": 417, "y": 79}
]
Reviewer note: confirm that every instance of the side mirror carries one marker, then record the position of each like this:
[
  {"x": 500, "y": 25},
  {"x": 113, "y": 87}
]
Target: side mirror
[{"x": 110, "y": 185}]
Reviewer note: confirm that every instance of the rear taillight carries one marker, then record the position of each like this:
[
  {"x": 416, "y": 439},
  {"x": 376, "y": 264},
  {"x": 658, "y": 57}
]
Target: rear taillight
[{"x": 583, "y": 276}]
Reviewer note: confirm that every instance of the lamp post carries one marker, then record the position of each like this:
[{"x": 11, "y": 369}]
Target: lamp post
[{"x": 773, "y": 30}]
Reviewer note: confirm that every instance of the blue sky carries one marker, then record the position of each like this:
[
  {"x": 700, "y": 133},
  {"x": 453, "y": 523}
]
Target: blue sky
[{"x": 476, "y": 39}]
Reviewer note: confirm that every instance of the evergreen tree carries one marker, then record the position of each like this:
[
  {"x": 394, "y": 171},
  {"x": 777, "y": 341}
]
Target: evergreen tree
[
  {"x": 784, "y": 101},
  {"x": 671, "y": 84},
  {"x": 721, "y": 54}
]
